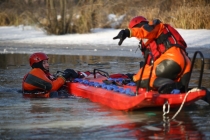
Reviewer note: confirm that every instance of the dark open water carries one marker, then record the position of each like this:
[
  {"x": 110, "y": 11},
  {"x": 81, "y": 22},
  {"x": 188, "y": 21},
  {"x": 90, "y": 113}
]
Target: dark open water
[{"x": 77, "y": 118}]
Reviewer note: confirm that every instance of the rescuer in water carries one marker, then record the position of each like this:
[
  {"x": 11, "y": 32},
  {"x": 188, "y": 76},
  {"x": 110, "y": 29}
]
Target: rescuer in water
[{"x": 39, "y": 82}]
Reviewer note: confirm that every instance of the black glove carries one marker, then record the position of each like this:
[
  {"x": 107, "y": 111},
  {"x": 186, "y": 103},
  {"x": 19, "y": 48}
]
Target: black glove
[
  {"x": 122, "y": 35},
  {"x": 130, "y": 76},
  {"x": 70, "y": 73}
]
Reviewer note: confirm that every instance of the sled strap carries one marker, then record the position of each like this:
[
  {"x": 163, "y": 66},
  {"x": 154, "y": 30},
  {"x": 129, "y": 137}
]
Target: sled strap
[{"x": 150, "y": 75}]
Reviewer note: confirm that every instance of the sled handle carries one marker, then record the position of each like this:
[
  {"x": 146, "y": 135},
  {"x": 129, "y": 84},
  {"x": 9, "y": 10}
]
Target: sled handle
[
  {"x": 106, "y": 74},
  {"x": 201, "y": 72}
]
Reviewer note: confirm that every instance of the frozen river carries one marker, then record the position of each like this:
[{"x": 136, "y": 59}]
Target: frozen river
[{"x": 77, "y": 118}]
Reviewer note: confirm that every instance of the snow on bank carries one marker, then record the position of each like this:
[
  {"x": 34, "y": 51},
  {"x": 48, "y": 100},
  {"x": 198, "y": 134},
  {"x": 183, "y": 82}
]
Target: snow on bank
[
  {"x": 27, "y": 39},
  {"x": 194, "y": 38}
]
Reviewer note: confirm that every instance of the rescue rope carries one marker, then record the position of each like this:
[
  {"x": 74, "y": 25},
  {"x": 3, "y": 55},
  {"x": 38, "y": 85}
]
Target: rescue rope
[{"x": 164, "y": 113}]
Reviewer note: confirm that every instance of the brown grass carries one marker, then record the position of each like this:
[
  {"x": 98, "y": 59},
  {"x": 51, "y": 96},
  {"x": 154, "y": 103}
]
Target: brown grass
[{"x": 82, "y": 15}]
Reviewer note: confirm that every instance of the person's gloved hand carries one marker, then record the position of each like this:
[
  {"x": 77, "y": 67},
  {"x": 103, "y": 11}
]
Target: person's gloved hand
[
  {"x": 130, "y": 76},
  {"x": 69, "y": 73},
  {"x": 122, "y": 35}
]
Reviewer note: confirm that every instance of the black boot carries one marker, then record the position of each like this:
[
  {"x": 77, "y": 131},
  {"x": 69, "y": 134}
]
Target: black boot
[{"x": 168, "y": 88}]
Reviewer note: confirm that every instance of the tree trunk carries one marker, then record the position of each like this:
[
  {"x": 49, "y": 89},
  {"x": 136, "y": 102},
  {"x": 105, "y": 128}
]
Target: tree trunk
[
  {"x": 63, "y": 16},
  {"x": 52, "y": 16}
]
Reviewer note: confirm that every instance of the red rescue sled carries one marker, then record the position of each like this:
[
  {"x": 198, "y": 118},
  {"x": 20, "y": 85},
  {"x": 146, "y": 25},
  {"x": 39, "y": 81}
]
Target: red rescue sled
[
  {"x": 128, "y": 101},
  {"x": 128, "y": 97}
]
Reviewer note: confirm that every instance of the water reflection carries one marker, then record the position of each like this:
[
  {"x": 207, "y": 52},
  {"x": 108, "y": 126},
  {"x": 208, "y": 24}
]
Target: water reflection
[{"x": 77, "y": 118}]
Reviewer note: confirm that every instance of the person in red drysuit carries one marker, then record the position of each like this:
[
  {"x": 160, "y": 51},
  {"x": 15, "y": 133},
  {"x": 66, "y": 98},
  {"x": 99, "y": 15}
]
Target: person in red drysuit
[
  {"x": 39, "y": 82},
  {"x": 171, "y": 63}
]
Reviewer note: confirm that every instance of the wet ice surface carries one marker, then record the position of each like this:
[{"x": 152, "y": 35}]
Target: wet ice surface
[
  {"x": 29, "y": 39},
  {"x": 77, "y": 118},
  {"x": 97, "y": 49}
]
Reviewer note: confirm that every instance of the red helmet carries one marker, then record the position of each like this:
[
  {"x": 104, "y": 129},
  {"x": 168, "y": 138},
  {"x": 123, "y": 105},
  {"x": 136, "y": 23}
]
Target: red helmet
[
  {"x": 136, "y": 21},
  {"x": 37, "y": 57}
]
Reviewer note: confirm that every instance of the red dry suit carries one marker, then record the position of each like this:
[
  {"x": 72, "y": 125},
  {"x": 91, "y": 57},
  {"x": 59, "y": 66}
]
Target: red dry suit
[
  {"x": 168, "y": 48},
  {"x": 38, "y": 83}
]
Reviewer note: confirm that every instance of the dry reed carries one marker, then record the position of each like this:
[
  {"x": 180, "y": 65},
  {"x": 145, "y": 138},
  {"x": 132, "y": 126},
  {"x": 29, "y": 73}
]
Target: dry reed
[{"x": 83, "y": 15}]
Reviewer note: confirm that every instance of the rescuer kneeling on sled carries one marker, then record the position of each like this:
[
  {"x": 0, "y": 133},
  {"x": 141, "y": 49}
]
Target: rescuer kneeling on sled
[
  {"x": 39, "y": 81},
  {"x": 171, "y": 63}
]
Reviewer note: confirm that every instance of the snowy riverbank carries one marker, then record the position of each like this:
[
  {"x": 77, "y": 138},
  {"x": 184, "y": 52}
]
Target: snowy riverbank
[{"x": 98, "y": 42}]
